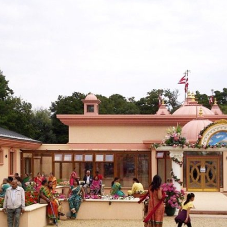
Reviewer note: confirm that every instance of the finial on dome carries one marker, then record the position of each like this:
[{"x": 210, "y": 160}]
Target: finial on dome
[
  {"x": 193, "y": 96},
  {"x": 189, "y": 94}
]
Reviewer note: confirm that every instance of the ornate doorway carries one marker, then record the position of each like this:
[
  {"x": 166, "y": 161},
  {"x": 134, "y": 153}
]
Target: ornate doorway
[{"x": 203, "y": 173}]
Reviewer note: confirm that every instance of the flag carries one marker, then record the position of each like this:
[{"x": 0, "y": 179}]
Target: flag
[
  {"x": 186, "y": 85},
  {"x": 211, "y": 100},
  {"x": 182, "y": 80}
]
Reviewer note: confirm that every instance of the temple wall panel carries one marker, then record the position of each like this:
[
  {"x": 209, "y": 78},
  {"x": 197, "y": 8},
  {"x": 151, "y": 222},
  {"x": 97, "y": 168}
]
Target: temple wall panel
[{"x": 115, "y": 134}]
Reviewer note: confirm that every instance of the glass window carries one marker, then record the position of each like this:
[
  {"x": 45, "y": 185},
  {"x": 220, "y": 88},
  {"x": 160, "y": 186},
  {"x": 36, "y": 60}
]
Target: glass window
[
  {"x": 67, "y": 157},
  {"x": 11, "y": 162},
  {"x": 109, "y": 158},
  {"x": 58, "y": 157},
  {"x": 90, "y": 108},
  {"x": 126, "y": 168},
  {"x": 99, "y": 158},
  {"x": 1, "y": 156},
  {"x": 88, "y": 157},
  {"x": 78, "y": 157},
  {"x": 143, "y": 169}
]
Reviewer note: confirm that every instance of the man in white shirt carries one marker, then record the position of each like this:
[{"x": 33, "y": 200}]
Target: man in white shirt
[
  {"x": 87, "y": 181},
  {"x": 14, "y": 204}
]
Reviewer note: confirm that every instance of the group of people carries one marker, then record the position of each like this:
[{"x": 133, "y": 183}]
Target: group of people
[
  {"x": 91, "y": 185},
  {"x": 156, "y": 206},
  {"x": 12, "y": 189}
]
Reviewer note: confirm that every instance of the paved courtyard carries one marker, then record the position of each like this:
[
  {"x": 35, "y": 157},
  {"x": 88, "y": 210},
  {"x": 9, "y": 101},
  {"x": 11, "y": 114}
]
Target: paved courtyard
[{"x": 197, "y": 221}]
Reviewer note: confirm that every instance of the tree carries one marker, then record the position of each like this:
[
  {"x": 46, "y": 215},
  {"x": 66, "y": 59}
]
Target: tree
[
  {"x": 5, "y": 91},
  {"x": 43, "y": 126},
  {"x": 221, "y": 97},
  {"x": 65, "y": 105}
]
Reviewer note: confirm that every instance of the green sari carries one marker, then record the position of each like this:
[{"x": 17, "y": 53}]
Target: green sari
[{"x": 116, "y": 189}]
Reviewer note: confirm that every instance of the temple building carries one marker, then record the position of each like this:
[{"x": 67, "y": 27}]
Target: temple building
[{"x": 130, "y": 146}]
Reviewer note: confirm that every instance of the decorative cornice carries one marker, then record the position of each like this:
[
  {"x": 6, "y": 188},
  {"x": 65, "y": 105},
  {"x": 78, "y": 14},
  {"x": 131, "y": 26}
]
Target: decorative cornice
[{"x": 132, "y": 120}]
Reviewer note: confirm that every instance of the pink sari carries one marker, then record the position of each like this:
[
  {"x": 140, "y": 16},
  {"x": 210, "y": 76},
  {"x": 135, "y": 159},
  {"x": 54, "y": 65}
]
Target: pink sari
[
  {"x": 38, "y": 181},
  {"x": 73, "y": 176}
]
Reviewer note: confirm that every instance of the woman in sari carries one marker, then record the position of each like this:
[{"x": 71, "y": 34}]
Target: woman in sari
[
  {"x": 96, "y": 186},
  {"x": 73, "y": 177},
  {"x": 25, "y": 180},
  {"x": 3, "y": 187},
  {"x": 76, "y": 194},
  {"x": 116, "y": 188},
  {"x": 46, "y": 195},
  {"x": 38, "y": 180},
  {"x": 53, "y": 179},
  {"x": 156, "y": 205}
]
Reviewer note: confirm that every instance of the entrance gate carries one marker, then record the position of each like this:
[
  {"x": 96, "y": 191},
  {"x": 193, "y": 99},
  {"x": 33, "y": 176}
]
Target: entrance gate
[{"x": 203, "y": 173}]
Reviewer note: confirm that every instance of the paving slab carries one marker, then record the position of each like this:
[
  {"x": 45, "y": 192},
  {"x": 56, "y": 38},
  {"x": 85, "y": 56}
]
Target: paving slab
[{"x": 210, "y": 203}]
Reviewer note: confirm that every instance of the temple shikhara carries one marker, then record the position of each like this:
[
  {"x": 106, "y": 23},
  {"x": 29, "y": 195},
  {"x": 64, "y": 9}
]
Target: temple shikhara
[{"x": 130, "y": 146}]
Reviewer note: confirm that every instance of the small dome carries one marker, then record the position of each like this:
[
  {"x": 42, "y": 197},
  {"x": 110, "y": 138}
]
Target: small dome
[
  {"x": 192, "y": 129},
  {"x": 192, "y": 110},
  {"x": 91, "y": 97}
]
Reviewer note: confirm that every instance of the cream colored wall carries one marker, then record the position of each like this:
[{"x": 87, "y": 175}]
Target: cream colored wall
[
  {"x": 115, "y": 134},
  {"x": 4, "y": 167}
]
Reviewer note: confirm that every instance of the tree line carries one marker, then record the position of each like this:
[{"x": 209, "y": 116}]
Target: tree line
[{"x": 42, "y": 124}]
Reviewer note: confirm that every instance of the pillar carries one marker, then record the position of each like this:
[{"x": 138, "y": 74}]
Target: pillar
[{"x": 177, "y": 168}]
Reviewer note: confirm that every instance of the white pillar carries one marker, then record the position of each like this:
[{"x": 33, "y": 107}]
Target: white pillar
[{"x": 177, "y": 169}]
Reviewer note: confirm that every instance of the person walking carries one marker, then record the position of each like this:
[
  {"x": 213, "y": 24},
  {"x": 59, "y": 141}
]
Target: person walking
[
  {"x": 183, "y": 215},
  {"x": 156, "y": 203},
  {"x": 14, "y": 204}
]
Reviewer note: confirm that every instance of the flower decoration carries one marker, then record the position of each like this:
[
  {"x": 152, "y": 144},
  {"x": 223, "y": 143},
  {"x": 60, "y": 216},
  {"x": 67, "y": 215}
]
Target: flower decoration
[
  {"x": 174, "y": 138},
  {"x": 64, "y": 183},
  {"x": 175, "y": 177},
  {"x": 30, "y": 186},
  {"x": 31, "y": 197},
  {"x": 173, "y": 197}
]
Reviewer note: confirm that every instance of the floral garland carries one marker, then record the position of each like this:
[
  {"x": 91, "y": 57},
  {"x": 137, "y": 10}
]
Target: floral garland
[
  {"x": 174, "y": 138},
  {"x": 175, "y": 178},
  {"x": 177, "y": 161}
]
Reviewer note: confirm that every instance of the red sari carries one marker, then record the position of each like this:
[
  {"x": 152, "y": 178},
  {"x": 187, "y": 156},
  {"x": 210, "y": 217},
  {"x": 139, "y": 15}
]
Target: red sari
[
  {"x": 156, "y": 205},
  {"x": 38, "y": 181},
  {"x": 73, "y": 176}
]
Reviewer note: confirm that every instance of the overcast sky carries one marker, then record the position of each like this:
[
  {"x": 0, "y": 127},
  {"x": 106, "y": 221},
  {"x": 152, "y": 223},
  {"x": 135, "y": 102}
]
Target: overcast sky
[{"x": 52, "y": 47}]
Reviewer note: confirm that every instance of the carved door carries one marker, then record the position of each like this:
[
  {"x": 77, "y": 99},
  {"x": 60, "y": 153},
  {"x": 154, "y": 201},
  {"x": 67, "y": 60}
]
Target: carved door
[{"x": 203, "y": 174}]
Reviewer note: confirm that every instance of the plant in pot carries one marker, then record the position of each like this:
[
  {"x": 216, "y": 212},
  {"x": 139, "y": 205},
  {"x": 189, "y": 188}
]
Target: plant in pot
[{"x": 173, "y": 199}]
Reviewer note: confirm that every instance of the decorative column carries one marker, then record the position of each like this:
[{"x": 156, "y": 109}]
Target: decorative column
[{"x": 177, "y": 170}]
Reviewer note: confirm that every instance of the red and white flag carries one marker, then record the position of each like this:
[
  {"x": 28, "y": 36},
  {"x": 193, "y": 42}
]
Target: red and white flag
[
  {"x": 211, "y": 100},
  {"x": 182, "y": 80},
  {"x": 186, "y": 85}
]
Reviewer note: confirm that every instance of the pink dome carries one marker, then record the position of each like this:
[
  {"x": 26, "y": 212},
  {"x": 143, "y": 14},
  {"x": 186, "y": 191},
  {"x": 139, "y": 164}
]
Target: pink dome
[
  {"x": 192, "y": 110},
  {"x": 91, "y": 97},
  {"x": 192, "y": 129}
]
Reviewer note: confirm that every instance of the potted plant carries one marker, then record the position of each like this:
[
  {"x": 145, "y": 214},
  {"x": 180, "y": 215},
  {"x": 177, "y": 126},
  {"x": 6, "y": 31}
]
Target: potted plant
[{"x": 173, "y": 199}]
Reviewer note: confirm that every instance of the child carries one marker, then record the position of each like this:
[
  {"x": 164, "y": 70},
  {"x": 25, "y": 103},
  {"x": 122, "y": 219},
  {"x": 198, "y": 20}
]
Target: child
[{"x": 183, "y": 216}]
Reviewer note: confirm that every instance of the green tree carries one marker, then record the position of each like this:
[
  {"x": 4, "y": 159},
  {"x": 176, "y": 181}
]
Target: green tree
[
  {"x": 5, "y": 91},
  {"x": 65, "y": 105},
  {"x": 42, "y": 124},
  {"x": 221, "y": 97},
  {"x": 202, "y": 99}
]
